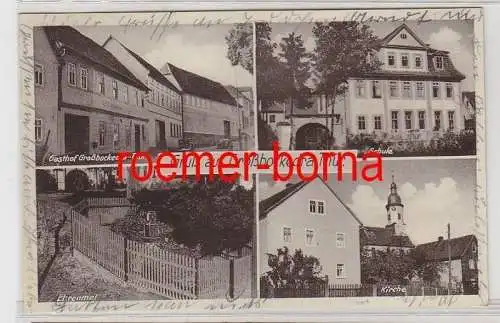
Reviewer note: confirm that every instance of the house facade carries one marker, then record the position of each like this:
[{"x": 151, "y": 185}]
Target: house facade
[
  {"x": 244, "y": 97},
  {"x": 309, "y": 216},
  {"x": 86, "y": 100},
  {"x": 163, "y": 103},
  {"x": 210, "y": 113},
  {"x": 462, "y": 252},
  {"x": 415, "y": 95}
]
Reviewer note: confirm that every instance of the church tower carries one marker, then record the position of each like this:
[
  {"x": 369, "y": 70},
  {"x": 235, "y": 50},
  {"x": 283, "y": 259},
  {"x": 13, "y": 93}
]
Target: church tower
[{"x": 395, "y": 211}]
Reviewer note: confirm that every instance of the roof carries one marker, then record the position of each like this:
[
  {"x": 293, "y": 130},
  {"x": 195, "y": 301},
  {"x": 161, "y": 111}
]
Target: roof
[
  {"x": 438, "y": 250},
  {"x": 471, "y": 96},
  {"x": 237, "y": 92},
  {"x": 154, "y": 73},
  {"x": 265, "y": 206},
  {"x": 384, "y": 236},
  {"x": 385, "y": 41},
  {"x": 201, "y": 86},
  {"x": 80, "y": 45}
]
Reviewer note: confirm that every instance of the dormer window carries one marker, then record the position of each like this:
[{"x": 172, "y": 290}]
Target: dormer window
[{"x": 439, "y": 62}]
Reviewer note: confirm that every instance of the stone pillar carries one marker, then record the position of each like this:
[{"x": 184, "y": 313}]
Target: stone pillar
[{"x": 284, "y": 131}]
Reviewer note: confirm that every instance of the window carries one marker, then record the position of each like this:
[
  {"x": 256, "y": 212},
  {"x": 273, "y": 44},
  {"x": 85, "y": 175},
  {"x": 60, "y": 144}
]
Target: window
[
  {"x": 102, "y": 133},
  {"x": 71, "y": 74},
  {"x": 312, "y": 206},
  {"x": 421, "y": 120},
  {"x": 336, "y": 118},
  {"x": 38, "y": 130},
  {"x": 377, "y": 122},
  {"x": 406, "y": 90},
  {"x": 287, "y": 234},
  {"x": 125, "y": 94},
  {"x": 390, "y": 59},
  {"x": 418, "y": 61},
  {"x": 340, "y": 238},
  {"x": 435, "y": 89},
  {"x": 408, "y": 119},
  {"x": 437, "y": 120},
  {"x": 449, "y": 90},
  {"x": 376, "y": 93},
  {"x": 272, "y": 118},
  {"x": 38, "y": 74},
  {"x": 340, "y": 271},
  {"x": 162, "y": 100},
  {"x": 451, "y": 120},
  {"x": 143, "y": 131},
  {"x": 404, "y": 60},
  {"x": 115, "y": 89},
  {"x": 395, "y": 120},
  {"x": 360, "y": 88},
  {"x": 472, "y": 264},
  {"x": 393, "y": 89},
  {"x": 402, "y": 36},
  {"x": 361, "y": 123},
  {"x": 309, "y": 237},
  {"x": 116, "y": 134},
  {"x": 420, "y": 90},
  {"x": 171, "y": 130},
  {"x": 439, "y": 62},
  {"x": 321, "y": 207},
  {"x": 142, "y": 100},
  {"x": 84, "y": 76},
  {"x": 100, "y": 83}
]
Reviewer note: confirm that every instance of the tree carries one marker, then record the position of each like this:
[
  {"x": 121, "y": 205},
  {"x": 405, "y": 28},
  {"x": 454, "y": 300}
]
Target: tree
[
  {"x": 396, "y": 268},
  {"x": 269, "y": 69},
  {"x": 295, "y": 270},
  {"x": 343, "y": 50},
  {"x": 45, "y": 182},
  {"x": 240, "y": 46},
  {"x": 210, "y": 216},
  {"x": 295, "y": 60},
  {"x": 77, "y": 181}
]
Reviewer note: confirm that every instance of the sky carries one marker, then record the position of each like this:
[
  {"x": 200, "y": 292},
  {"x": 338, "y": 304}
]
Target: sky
[
  {"x": 201, "y": 50},
  {"x": 435, "y": 192},
  {"x": 453, "y": 36}
]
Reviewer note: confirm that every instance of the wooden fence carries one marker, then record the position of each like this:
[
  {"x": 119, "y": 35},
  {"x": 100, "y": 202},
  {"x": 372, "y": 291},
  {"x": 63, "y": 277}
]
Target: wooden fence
[{"x": 148, "y": 267}]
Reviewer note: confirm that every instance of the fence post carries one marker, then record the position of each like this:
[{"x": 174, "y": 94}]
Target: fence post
[
  {"x": 231, "y": 278},
  {"x": 196, "y": 277},
  {"x": 374, "y": 289},
  {"x": 125, "y": 259},
  {"x": 327, "y": 287},
  {"x": 72, "y": 216}
]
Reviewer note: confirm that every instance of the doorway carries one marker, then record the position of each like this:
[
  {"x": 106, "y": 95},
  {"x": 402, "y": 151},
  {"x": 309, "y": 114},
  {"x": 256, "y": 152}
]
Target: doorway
[{"x": 76, "y": 133}]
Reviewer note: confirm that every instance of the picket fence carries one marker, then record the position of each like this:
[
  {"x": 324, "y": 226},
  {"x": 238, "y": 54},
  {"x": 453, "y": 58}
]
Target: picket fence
[{"x": 167, "y": 273}]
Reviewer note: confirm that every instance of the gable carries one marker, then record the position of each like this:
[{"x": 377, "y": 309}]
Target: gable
[{"x": 403, "y": 36}]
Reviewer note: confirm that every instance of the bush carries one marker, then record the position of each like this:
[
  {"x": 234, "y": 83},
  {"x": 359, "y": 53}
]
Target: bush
[
  {"x": 45, "y": 182},
  {"x": 77, "y": 181}
]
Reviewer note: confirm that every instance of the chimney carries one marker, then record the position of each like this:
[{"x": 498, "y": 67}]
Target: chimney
[{"x": 440, "y": 238}]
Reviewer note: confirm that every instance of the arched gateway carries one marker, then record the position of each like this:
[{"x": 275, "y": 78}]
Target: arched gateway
[{"x": 313, "y": 136}]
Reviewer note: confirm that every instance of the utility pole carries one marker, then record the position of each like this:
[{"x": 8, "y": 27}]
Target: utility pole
[{"x": 449, "y": 260}]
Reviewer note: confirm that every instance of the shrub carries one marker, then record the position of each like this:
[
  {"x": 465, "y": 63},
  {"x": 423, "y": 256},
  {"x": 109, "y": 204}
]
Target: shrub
[
  {"x": 77, "y": 181},
  {"x": 45, "y": 182}
]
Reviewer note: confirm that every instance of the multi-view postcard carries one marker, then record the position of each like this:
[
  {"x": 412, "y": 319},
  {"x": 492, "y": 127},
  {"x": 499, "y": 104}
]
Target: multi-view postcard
[{"x": 114, "y": 222}]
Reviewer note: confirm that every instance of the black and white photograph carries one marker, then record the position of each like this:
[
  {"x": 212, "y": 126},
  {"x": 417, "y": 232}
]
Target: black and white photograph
[
  {"x": 402, "y": 89},
  {"x": 105, "y": 89},
  {"x": 412, "y": 234},
  {"x": 100, "y": 239}
]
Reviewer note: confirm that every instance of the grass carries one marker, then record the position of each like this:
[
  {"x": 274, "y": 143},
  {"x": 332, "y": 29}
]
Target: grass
[{"x": 69, "y": 276}]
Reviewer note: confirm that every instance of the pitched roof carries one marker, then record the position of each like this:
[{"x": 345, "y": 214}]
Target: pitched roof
[
  {"x": 80, "y": 45},
  {"x": 201, "y": 86},
  {"x": 265, "y": 206},
  {"x": 153, "y": 71},
  {"x": 237, "y": 92},
  {"x": 438, "y": 250},
  {"x": 385, "y": 41},
  {"x": 471, "y": 96},
  {"x": 384, "y": 236}
]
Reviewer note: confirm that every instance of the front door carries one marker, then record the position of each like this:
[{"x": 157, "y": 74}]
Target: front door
[
  {"x": 76, "y": 133},
  {"x": 227, "y": 129},
  {"x": 137, "y": 135}
]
